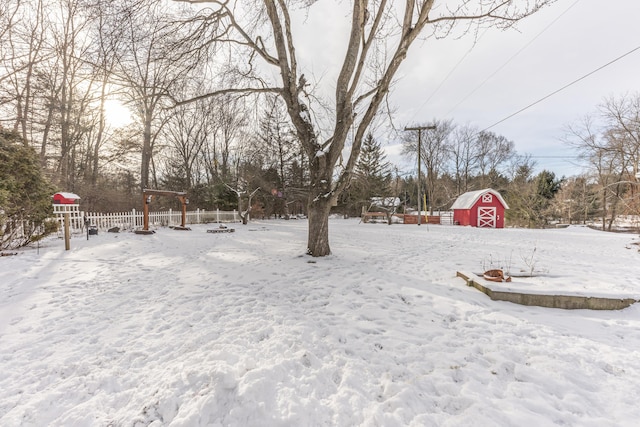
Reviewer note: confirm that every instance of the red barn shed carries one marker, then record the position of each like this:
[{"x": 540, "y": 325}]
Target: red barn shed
[{"x": 482, "y": 208}]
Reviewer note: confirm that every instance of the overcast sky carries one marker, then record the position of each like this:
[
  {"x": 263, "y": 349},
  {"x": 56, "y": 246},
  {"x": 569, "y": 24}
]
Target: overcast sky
[{"x": 507, "y": 71}]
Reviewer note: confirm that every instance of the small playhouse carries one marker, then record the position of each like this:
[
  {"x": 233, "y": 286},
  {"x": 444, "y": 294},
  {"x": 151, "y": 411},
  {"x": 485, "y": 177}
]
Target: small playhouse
[{"x": 482, "y": 208}]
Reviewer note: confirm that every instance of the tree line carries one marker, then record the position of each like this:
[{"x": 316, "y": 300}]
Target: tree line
[
  {"x": 64, "y": 61},
  {"x": 456, "y": 159},
  {"x": 222, "y": 109},
  {"x": 459, "y": 158}
]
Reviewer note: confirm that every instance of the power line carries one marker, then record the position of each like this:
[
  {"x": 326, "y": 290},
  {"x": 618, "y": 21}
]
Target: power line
[
  {"x": 562, "y": 88},
  {"x": 554, "y": 157},
  {"x": 508, "y": 60},
  {"x": 461, "y": 60},
  {"x": 455, "y": 67}
]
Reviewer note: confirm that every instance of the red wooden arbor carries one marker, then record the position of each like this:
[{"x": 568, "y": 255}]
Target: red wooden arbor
[{"x": 147, "y": 196}]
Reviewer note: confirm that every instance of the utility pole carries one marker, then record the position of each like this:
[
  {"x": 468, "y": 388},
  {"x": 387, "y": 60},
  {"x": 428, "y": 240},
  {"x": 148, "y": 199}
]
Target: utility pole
[{"x": 420, "y": 129}]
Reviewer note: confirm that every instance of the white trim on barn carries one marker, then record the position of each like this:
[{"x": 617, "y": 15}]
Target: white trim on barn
[{"x": 487, "y": 217}]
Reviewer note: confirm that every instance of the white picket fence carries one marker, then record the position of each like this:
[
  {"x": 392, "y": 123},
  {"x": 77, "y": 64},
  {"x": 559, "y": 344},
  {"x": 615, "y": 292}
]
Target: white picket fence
[
  {"x": 446, "y": 217},
  {"x": 134, "y": 219}
]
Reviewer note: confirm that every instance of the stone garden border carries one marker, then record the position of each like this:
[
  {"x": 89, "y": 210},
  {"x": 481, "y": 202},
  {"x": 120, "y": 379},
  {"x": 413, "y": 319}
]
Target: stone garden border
[{"x": 570, "y": 302}]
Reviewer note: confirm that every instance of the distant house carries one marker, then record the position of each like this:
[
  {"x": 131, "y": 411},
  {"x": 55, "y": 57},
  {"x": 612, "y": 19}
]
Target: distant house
[{"x": 482, "y": 208}]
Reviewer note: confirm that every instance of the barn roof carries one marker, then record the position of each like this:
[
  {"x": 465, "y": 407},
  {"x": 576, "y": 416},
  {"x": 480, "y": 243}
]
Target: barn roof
[{"x": 467, "y": 200}]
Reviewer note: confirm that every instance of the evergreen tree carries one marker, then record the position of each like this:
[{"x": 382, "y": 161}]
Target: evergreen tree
[
  {"x": 530, "y": 199},
  {"x": 276, "y": 149},
  {"x": 372, "y": 178},
  {"x": 373, "y": 172},
  {"x": 548, "y": 185},
  {"x": 25, "y": 194}
]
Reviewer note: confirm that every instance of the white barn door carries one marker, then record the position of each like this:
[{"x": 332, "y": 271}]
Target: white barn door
[{"x": 487, "y": 217}]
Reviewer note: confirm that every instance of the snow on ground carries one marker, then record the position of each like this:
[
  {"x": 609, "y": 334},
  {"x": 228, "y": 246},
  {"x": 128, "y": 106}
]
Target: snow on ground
[{"x": 241, "y": 329}]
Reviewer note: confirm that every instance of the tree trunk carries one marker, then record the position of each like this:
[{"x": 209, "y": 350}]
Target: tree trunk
[
  {"x": 147, "y": 151},
  {"x": 604, "y": 209},
  {"x": 322, "y": 196},
  {"x": 613, "y": 211},
  {"x": 318, "y": 241},
  {"x": 101, "y": 128}
]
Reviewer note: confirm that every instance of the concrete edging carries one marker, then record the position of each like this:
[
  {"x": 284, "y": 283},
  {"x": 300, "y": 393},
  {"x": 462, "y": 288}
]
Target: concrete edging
[{"x": 569, "y": 302}]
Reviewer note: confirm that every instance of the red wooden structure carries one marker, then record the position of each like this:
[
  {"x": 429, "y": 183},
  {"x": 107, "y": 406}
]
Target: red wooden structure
[
  {"x": 65, "y": 199},
  {"x": 426, "y": 219},
  {"x": 66, "y": 205},
  {"x": 147, "y": 196},
  {"x": 482, "y": 208}
]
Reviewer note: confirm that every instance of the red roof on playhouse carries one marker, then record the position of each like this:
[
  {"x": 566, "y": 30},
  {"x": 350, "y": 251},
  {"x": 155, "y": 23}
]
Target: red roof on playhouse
[
  {"x": 482, "y": 208},
  {"x": 65, "y": 199}
]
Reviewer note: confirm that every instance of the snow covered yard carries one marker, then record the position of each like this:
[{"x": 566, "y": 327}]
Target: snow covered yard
[{"x": 242, "y": 329}]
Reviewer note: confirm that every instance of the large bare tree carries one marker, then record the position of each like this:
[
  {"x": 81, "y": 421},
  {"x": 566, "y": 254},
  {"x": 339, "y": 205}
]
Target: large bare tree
[
  {"x": 493, "y": 151},
  {"x": 435, "y": 151},
  {"x": 610, "y": 143},
  {"x": 380, "y": 35},
  {"x": 148, "y": 66},
  {"x": 23, "y": 32},
  {"x": 465, "y": 156}
]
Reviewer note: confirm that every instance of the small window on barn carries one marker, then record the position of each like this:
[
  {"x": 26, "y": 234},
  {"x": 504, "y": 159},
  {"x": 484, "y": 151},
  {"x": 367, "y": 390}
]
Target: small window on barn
[{"x": 486, "y": 198}]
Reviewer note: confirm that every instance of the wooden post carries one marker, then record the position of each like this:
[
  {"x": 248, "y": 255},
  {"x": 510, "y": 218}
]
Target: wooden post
[
  {"x": 145, "y": 214},
  {"x": 67, "y": 239},
  {"x": 183, "y": 199},
  {"x": 420, "y": 129},
  {"x": 148, "y": 194}
]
